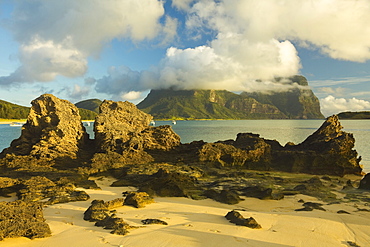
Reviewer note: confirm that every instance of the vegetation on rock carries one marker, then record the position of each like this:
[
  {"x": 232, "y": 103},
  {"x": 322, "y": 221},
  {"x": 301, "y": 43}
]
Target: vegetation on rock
[{"x": 298, "y": 102}]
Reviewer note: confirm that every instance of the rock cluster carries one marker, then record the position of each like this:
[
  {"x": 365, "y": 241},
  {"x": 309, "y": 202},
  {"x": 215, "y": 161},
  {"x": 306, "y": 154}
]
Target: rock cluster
[
  {"x": 123, "y": 136},
  {"x": 22, "y": 219}
]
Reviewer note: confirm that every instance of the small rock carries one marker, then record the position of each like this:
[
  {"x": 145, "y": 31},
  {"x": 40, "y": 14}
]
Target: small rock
[
  {"x": 225, "y": 196},
  {"x": 342, "y": 212},
  {"x": 236, "y": 218},
  {"x": 138, "y": 199},
  {"x": 154, "y": 221}
]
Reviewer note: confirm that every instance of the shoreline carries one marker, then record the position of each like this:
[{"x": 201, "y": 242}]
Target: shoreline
[{"x": 202, "y": 223}]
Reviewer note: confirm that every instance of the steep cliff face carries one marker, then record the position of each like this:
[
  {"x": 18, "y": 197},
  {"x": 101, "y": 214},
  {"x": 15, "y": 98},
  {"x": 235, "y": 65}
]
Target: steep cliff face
[
  {"x": 205, "y": 104},
  {"x": 298, "y": 102}
]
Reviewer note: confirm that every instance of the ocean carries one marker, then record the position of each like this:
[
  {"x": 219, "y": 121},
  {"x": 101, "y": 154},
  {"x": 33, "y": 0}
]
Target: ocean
[{"x": 283, "y": 131}]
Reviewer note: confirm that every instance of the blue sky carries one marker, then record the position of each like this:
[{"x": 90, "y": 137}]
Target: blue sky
[{"x": 120, "y": 49}]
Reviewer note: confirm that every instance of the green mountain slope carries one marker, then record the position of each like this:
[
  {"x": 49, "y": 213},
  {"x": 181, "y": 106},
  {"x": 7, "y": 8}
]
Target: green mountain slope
[
  {"x": 205, "y": 104},
  {"x": 13, "y": 111},
  {"x": 354, "y": 115},
  {"x": 90, "y": 104},
  {"x": 298, "y": 103}
]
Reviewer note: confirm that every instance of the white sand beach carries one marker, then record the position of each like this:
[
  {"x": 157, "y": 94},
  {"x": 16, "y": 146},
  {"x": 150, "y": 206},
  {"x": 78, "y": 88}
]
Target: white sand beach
[{"x": 202, "y": 223}]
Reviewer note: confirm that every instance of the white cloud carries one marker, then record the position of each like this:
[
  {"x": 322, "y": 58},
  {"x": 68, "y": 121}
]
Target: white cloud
[
  {"x": 182, "y": 4},
  {"x": 331, "y": 105},
  {"x": 79, "y": 92},
  {"x": 56, "y": 37},
  {"x": 339, "y": 28},
  {"x": 230, "y": 63},
  {"x": 132, "y": 95}
]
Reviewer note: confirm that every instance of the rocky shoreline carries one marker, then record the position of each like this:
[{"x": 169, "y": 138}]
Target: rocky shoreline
[{"x": 55, "y": 155}]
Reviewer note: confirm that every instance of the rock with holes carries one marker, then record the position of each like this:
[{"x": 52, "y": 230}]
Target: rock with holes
[{"x": 53, "y": 130}]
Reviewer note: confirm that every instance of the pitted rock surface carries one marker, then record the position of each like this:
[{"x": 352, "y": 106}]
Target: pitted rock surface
[
  {"x": 53, "y": 129},
  {"x": 116, "y": 123}
]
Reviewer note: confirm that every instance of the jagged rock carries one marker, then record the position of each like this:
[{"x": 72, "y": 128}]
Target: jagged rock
[
  {"x": 333, "y": 149},
  {"x": 99, "y": 209},
  {"x": 117, "y": 225},
  {"x": 166, "y": 183},
  {"x": 258, "y": 150},
  {"x": 155, "y": 138},
  {"x": 236, "y": 218},
  {"x": 53, "y": 130},
  {"x": 7, "y": 182},
  {"x": 221, "y": 154},
  {"x": 22, "y": 219},
  {"x": 154, "y": 221},
  {"x": 329, "y": 151},
  {"x": 116, "y": 123},
  {"x": 365, "y": 182},
  {"x": 224, "y": 196},
  {"x": 138, "y": 199},
  {"x": 68, "y": 197},
  {"x": 258, "y": 192},
  {"x": 39, "y": 188}
]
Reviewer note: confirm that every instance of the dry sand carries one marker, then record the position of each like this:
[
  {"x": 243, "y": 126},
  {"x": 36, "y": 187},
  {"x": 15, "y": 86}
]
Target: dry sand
[{"x": 202, "y": 223}]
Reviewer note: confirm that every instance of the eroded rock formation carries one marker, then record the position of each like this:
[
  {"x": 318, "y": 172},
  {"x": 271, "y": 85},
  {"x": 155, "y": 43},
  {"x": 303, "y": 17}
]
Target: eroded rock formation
[
  {"x": 53, "y": 129},
  {"x": 21, "y": 219}
]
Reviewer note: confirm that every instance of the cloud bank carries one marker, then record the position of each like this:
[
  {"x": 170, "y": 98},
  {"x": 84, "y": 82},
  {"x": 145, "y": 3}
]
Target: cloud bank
[
  {"x": 57, "y": 37},
  {"x": 331, "y": 105},
  {"x": 254, "y": 41},
  {"x": 245, "y": 43}
]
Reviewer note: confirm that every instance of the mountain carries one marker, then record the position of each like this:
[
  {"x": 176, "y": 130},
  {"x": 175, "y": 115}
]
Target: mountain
[
  {"x": 354, "y": 115},
  {"x": 298, "y": 103},
  {"x": 204, "y": 104},
  {"x": 12, "y": 111},
  {"x": 90, "y": 104}
]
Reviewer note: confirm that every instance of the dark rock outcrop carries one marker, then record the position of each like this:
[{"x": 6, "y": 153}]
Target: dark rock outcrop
[
  {"x": 53, "y": 130},
  {"x": 22, "y": 219},
  {"x": 138, "y": 199},
  {"x": 365, "y": 182},
  {"x": 154, "y": 221},
  {"x": 99, "y": 209},
  {"x": 166, "y": 183},
  {"x": 238, "y": 219},
  {"x": 329, "y": 150},
  {"x": 38, "y": 188},
  {"x": 224, "y": 196},
  {"x": 100, "y": 212}
]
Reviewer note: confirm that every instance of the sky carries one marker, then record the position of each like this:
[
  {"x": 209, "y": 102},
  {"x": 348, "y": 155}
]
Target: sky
[{"x": 121, "y": 49}]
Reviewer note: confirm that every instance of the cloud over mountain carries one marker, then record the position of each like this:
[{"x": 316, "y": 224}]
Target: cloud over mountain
[{"x": 241, "y": 44}]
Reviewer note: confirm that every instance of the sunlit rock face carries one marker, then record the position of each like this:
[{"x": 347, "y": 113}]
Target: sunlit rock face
[
  {"x": 53, "y": 129},
  {"x": 116, "y": 123}
]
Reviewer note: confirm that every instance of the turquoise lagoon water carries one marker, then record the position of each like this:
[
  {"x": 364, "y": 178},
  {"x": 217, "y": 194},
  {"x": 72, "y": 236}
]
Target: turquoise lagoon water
[{"x": 283, "y": 131}]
